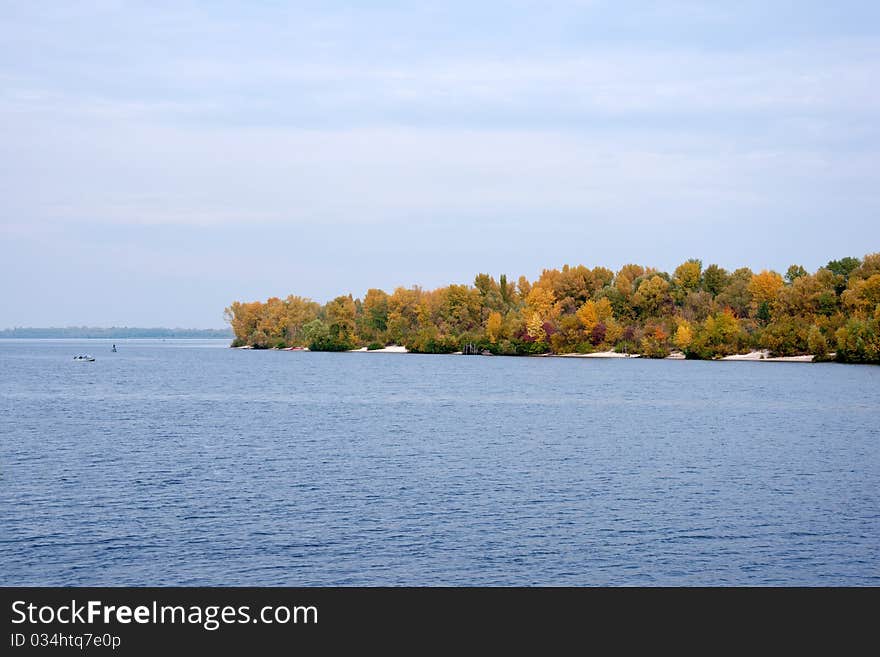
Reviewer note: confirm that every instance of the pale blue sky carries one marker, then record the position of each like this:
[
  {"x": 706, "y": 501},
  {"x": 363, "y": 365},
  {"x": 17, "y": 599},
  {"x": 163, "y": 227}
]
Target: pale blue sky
[{"x": 159, "y": 160}]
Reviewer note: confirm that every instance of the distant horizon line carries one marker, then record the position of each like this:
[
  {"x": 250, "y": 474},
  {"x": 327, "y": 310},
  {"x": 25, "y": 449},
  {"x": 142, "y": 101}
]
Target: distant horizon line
[
  {"x": 111, "y": 332},
  {"x": 113, "y": 326}
]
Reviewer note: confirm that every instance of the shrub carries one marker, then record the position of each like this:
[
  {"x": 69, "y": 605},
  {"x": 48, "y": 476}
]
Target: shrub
[
  {"x": 785, "y": 337},
  {"x": 817, "y": 343},
  {"x": 859, "y": 342}
]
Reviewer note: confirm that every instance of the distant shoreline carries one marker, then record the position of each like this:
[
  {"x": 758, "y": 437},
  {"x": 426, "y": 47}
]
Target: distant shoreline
[{"x": 115, "y": 332}]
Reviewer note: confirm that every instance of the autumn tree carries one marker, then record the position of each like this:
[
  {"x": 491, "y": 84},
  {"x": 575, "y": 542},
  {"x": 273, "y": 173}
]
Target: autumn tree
[
  {"x": 652, "y": 297},
  {"x": 706, "y": 313},
  {"x": 373, "y": 322},
  {"x": 684, "y": 335},
  {"x": 298, "y": 311},
  {"x": 541, "y": 308},
  {"x": 523, "y": 287},
  {"x": 765, "y": 287},
  {"x": 340, "y": 315},
  {"x": 654, "y": 342},
  {"x": 593, "y": 312},
  {"x": 736, "y": 294},
  {"x": 870, "y": 266},
  {"x": 863, "y": 294},
  {"x": 720, "y": 335},
  {"x": 688, "y": 275},
  {"x": 491, "y": 296},
  {"x": 494, "y": 327},
  {"x": 715, "y": 279},
  {"x": 841, "y": 269},
  {"x": 603, "y": 277},
  {"x": 243, "y": 318},
  {"x": 794, "y": 272},
  {"x": 403, "y": 309}
]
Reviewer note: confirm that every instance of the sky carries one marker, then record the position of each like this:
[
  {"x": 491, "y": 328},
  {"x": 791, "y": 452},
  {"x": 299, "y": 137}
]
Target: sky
[{"x": 159, "y": 160}]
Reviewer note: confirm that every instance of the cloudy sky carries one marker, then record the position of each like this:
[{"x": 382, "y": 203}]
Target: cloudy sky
[{"x": 161, "y": 159}]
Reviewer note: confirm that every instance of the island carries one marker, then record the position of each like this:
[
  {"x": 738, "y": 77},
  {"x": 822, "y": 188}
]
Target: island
[{"x": 578, "y": 311}]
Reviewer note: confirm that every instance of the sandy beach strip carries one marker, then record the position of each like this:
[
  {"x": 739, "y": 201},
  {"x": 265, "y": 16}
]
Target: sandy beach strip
[
  {"x": 764, "y": 356},
  {"x": 600, "y": 354},
  {"x": 390, "y": 349}
]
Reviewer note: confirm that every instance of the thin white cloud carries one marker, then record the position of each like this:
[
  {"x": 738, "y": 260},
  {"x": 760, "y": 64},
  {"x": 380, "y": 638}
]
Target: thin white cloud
[
  {"x": 815, "y": 77},
  {"x": 160, "y": 175}
]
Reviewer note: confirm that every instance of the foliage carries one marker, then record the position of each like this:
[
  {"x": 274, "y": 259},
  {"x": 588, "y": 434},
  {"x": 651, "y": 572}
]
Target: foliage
[
  {"x": 684, "y": 335},
  {"x": 494, "y": 326},
  {"x": 859, "y": 341},
  {"x": 794, "y": 272},
  {"x": 655, "y": 344},
  {"x": 715, "y": 279},
  {"x": 688, "y": 275},
  {"x": 785, "y": 337},
  {"x": 706, "y": 313},
  {"x": 720, "y": 335}
]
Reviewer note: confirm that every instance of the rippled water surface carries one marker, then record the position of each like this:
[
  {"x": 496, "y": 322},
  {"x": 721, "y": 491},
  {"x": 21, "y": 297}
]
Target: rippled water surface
[{"x": 183, "y": 462}]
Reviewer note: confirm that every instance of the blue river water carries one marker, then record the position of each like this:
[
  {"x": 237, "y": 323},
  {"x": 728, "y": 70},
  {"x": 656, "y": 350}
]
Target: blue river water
[{"x": 187, "y": 463}]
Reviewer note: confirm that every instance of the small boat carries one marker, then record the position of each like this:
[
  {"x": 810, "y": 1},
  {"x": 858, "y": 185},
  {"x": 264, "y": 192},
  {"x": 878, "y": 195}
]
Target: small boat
[{"x": 84, "y": 357}]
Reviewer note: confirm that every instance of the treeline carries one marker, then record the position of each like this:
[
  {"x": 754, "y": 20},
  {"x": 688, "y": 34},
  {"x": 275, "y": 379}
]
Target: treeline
[
  {"x": 703, "y": 312},
  {"x": 116, "y": 332}
]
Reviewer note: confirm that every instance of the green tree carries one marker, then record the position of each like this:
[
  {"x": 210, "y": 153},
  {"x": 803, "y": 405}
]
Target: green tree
[
  {"x": 375, "y": 312},
  {"x": 715, "y": 279},
  {"x": 842, "y": 269},
  {"x": 736, "y": 294},
  {"x": 794, "y": 272}
]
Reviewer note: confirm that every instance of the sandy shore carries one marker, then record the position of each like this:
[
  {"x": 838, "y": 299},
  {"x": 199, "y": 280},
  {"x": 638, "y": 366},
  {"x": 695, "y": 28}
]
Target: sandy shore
[
  {"x": 600, "y": 354},
  {"x": 807, "y": 358},
  {"x": 753, "y": 356},
  {"x": 391, "y": 349},
  {"x": 764, "y": 356}
]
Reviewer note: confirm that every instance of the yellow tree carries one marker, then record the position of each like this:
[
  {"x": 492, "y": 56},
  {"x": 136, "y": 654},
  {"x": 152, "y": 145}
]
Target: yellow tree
[
  {"x": 765, "y": 287},
  {"x": 593, "y": 312},
  {"x": 863, "y": 295},
  {"x": 652, "y": 296},
  {"x": 624, "y": 284},
  {"x": 243, "y": 318},
  {"x": 341, "y": 314},
  {"x": 523, "y": 287},
  {"x": 272, "y": 320},
  {"x": 687, "y": 275},
  {"x": 587, "y": 315},
  {"x": 603, "y": 276},
  {"x": 684, "y": 335},
  {"x": 494, "y": 326},
  {"x": 535, "y": 327},
  {"x": 613, "y": 332},
  {"x": 631, "y": 271},
  {"x": 403, "y": 310},
  {"x": 542, "y": 302}
]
